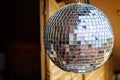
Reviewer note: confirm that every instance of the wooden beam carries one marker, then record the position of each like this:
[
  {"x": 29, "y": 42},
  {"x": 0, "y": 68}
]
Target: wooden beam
[
  {"x": 109, "y": 69},
  {"x": 42, "y": 52},
  {"x": 52, "y": 69}
]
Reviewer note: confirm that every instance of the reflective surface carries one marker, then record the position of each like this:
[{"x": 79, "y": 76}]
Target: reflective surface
[{"x": 78, "y": 38}]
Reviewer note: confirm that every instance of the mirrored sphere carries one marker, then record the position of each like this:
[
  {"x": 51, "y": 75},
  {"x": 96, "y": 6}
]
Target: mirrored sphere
[{"x": 78, "y": 38}]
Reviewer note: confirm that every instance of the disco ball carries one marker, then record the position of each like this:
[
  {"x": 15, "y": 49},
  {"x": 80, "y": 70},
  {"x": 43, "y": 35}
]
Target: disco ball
[{"x": 78, "y": 38}]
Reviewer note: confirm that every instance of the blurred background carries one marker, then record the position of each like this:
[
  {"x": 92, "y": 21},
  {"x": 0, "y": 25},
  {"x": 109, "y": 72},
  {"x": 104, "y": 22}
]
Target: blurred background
[{"x": 20, "y": 41}]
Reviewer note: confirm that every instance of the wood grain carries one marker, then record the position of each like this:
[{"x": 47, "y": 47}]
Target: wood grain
[{"x": 42, "y": 52}]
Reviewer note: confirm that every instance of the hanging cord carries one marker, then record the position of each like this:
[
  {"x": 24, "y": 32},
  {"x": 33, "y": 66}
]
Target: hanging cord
[
  {"x": 79, "y": 1},
  {"x": 87, "y": 1}
]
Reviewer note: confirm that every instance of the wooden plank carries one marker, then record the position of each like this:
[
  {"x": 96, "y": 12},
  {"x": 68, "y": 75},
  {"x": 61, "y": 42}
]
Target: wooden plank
[
  {"x": 98, "y": 74},
  {"x": 109, "y": 69},
  {"x": 51, "y": 68},
  {"x": 42, "y": 52}
]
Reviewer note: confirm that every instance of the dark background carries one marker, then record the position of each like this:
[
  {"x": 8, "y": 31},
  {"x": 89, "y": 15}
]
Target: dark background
[
  {"x": 20, "y": 40},
  {"x": 23, "y": 21}
]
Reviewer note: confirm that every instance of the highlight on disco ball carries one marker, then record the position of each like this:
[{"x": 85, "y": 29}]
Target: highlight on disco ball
[{"x": 78, "y": 38}]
